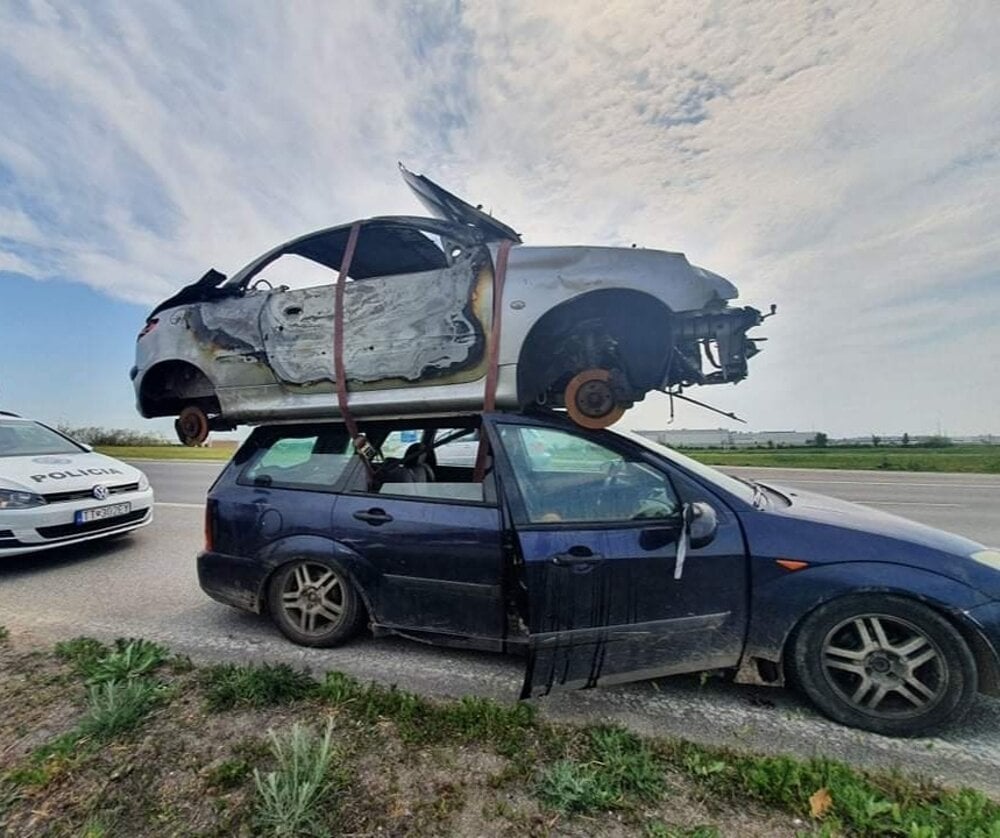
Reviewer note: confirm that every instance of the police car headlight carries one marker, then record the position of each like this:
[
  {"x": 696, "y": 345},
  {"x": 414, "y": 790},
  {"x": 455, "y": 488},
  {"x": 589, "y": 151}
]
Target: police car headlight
[
  {"x": 143, "y": 482},
  {"x": 11, "y": 499},
  {"x": 990, "y": 558}
]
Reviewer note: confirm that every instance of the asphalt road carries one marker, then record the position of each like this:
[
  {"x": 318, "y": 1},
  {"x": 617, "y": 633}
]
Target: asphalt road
[{"x": 144, "y": 585}]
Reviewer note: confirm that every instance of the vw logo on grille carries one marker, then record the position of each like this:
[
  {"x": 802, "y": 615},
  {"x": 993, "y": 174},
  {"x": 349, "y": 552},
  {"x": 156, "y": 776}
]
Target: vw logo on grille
[{"x": 100, "y": 492}]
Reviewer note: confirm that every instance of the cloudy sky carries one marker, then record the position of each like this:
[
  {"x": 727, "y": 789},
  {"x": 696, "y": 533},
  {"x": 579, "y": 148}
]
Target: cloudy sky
[{"x": 841, "y": 161}]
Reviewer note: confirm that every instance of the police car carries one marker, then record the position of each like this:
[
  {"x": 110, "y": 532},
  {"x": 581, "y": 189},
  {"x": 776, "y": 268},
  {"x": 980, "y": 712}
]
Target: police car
[{"x": 56, "y": 491}]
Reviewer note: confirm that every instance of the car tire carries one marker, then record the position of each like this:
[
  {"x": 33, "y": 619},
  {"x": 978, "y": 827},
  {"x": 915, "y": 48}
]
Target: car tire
[
  {"x": 314, "y": 603},
  {"x": 886, "y": 664}
]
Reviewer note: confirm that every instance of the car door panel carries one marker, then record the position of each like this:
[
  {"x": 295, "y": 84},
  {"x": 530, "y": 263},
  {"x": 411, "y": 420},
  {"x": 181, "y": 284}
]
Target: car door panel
[
  {"x": 439, "y": 564},
  {"x": 604, "y": 601}
]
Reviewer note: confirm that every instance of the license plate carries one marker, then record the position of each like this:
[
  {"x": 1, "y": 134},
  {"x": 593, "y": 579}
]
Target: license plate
[{"x": 84, "y": 516}]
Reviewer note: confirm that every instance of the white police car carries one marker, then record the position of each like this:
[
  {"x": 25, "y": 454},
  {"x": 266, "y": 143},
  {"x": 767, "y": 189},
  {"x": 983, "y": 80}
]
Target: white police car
[{"x": 55, "y": 491}]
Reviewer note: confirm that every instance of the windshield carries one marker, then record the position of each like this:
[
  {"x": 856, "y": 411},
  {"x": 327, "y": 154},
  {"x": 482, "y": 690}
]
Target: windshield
[
  {"x": 740, "y": 488},
  {"x": 25, "y": 439}
]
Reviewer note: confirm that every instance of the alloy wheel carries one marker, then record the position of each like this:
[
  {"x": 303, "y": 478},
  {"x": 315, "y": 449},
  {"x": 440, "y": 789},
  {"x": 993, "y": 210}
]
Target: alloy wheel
[
  {"x": 884, "y": 666},
  {"x": 313, "y": 598}
]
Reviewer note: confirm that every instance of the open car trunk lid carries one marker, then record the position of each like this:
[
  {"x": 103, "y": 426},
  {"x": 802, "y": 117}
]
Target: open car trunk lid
[{"x": 442, "y": 204}]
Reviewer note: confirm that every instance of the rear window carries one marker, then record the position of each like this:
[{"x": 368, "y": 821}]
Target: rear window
[
  {"x": 28, "y": 439},
  {"x": 300, "y": 460}
]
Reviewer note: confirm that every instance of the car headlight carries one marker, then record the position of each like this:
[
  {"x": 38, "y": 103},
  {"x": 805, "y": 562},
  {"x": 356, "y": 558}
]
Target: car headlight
[
  {"x": 14, "y": 499},
  {"x": 990, "y": 558},
  {"x": 143, "y": 482}
]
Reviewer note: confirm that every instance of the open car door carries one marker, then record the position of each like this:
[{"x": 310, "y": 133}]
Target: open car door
[
  {"x": 609, "y": 597},
  {"x": 442, "y": 204}
]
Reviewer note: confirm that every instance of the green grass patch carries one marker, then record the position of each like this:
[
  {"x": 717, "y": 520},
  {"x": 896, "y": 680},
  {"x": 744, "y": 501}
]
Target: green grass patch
[
  {"x": 125, "y": 660},
  {"x": 228, "y": 774},
  {"x": 419, "y": 720},
  {"x": 165, "y": 452},
  {"x": 862, "y": 804},
  {"x": 4, "y": 634},
  {"x": 616, "y": 771},
  {"x": 228, "y": 685},
  {"x": 115, "y": 707},
  {"x": 979, "y": 459},
  {"x": 297, "y": 797}
]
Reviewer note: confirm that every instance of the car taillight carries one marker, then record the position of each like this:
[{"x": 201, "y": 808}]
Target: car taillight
[
  {"x": 150, "y": 325},
  {"x": 209, "y": 535}
]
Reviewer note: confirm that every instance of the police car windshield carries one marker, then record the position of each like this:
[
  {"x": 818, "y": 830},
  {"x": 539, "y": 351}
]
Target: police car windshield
[{"x": 27, "y": 439}]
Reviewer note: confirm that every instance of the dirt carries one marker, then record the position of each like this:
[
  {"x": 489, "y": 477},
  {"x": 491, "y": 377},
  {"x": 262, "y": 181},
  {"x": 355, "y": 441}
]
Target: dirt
[{"x": 167, "y": 777}]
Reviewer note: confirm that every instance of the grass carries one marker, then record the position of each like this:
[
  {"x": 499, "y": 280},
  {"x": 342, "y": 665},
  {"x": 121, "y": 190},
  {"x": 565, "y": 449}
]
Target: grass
[
  {"x": 227, "y": 686},
  {"x": 365, "y": 759},
  {"x": 126, "y": 660},
  {"x": 4, "y": 634},
  {"x": 617, "y": 770},
  {"x": 165, "y": 452},
  {"x": 981, "y": 459},
  {"x": 295, "y": 799}
]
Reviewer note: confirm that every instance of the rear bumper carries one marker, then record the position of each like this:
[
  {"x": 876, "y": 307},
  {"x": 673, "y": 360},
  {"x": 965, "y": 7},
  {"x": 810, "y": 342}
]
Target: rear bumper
[{"x": 232, "y": 580}]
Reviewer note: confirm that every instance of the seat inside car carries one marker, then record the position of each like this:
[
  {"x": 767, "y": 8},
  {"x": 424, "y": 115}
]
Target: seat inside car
[{"x": 414, "y": 467}]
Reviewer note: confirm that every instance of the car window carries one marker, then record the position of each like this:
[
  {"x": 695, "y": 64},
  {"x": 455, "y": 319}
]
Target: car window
[
  {"x": 295, "y": 273},
  {"x": 564, "y": 477},
  {"x": 314, "y": 461},
  {"x": 413, "y": 467},
  {"x": 24, "y": 439}
]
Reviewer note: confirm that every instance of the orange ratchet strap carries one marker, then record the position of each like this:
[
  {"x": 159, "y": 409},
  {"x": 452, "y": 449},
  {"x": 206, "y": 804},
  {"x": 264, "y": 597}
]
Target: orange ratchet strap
[
  {"x": 493, "y": 353},
  {"x": 338, "y": 337}
]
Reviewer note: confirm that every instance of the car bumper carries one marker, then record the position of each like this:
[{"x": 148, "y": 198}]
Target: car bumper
[
  {"x": 232, "y": 580},
  {"x": 54, "y": 524}
]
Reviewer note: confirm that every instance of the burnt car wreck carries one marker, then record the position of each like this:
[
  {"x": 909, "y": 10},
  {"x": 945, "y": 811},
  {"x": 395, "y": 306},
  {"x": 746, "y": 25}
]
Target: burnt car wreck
[{"x": 588, "y": 329}]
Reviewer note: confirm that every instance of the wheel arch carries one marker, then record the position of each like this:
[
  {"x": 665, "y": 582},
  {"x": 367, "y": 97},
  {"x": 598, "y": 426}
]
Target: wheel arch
[
  {"x": 768, "y": 640},
  {"x": 641, "y": 319},
  {"x": 185, "y": 384},
  {"x": 362, "y": 575}
]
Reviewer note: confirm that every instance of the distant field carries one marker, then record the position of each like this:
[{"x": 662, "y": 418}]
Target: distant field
[
  {"x": 165, "y": 452},
  {"x": 982, "y": 459}
]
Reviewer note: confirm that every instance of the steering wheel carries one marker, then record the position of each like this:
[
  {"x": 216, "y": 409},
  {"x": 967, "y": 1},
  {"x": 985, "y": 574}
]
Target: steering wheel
[{"x": 261, "y": 281}]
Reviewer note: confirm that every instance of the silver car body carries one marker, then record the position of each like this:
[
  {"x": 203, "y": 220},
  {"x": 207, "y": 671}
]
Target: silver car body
[{"x": 415, "y": 339}]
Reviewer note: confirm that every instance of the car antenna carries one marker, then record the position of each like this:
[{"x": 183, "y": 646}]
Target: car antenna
[{"x": 675, "y": 394}]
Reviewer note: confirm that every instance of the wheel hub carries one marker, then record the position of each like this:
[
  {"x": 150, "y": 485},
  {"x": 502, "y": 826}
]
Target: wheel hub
[{"x": 595, "y": 398}]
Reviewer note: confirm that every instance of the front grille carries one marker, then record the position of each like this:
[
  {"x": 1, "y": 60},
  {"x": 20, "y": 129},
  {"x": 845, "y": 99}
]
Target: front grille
[
  {"x": 83, "y": 494},
  {"x": 66, "y": 530}
]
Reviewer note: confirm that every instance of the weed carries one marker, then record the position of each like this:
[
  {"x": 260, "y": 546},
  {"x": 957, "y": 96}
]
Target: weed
[
  {"x": 228, "y": 775},
  {"x": 129, "y": 659},
  {"x": 4, "y": 634},
  {"x": 228, "y": 685},
  {"x": 617, "y": 770},
  {"x": 118, "y": 706},
  {"x": 296, "y": 798},
  {"x": 81, "y": 652}
]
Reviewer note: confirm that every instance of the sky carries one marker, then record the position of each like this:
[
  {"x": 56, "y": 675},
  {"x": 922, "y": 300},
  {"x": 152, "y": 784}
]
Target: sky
[{"x": 841, "y": 161}]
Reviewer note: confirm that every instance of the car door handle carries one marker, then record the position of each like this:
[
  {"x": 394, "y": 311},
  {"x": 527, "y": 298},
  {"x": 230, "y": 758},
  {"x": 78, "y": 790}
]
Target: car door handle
[
  {"x": 375, "y": 517},
  {"x": 576, "y": 555}
]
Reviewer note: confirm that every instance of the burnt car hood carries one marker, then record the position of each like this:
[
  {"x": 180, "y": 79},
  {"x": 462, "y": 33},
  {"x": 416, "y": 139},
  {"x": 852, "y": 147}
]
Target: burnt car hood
[{"x": 443, "y": 204}]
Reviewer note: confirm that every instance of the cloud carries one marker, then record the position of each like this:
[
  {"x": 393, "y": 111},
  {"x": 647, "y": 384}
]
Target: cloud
[{"x": 843, "y": 161}]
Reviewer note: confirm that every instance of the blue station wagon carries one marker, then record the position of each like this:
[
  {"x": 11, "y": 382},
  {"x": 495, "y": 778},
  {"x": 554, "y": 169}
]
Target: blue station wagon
[{"x": 604, "y": 558}]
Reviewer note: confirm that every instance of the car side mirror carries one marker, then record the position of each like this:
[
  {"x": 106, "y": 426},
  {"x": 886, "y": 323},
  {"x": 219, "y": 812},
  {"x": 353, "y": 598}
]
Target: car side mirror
[{"x": 702, "y": 523}]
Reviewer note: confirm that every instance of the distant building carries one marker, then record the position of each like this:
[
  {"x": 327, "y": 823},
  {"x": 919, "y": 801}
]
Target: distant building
[{"x": 723, "y": 438}]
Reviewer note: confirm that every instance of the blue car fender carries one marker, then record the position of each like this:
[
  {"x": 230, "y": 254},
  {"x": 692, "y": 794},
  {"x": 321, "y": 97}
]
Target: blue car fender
[
  {"x": 359, "y": 570},
  {"x": 780, "y": 601}
]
